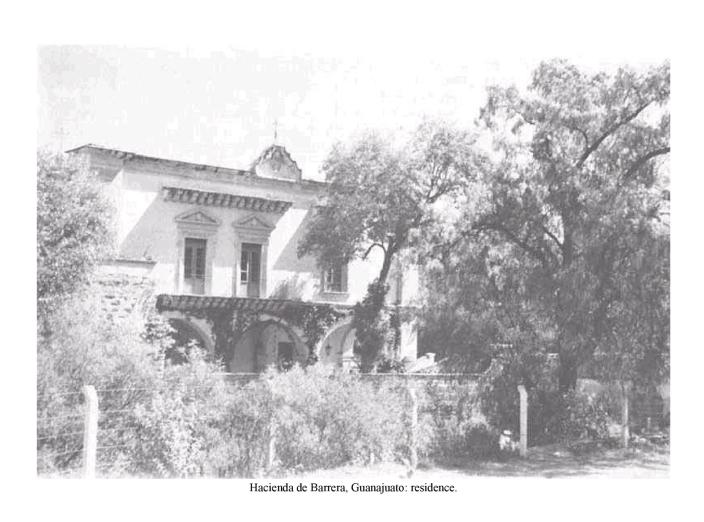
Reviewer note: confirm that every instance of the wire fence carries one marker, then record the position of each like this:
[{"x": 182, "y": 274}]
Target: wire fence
[
  {"x": 119, "y": 432},
  {"x": 122, "y": 431}
]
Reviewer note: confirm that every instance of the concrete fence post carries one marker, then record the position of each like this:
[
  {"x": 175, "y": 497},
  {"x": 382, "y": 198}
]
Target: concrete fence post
[
  {"x": 90, "y": 431},
  {"x": 413, "y": 396},
  {"x": 523, "y": 395},
  {"x": 271, "y": 447},
  {"x": 625, "y": 431}
]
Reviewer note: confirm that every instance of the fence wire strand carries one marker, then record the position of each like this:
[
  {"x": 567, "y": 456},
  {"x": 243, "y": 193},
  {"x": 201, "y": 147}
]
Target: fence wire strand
[{"x": 58, "y": 436}]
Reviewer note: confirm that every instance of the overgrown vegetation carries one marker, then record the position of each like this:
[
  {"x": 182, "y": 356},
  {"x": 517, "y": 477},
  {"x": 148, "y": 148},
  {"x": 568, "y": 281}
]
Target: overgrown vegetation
[
  {"x": 164, "y": 420},
  {"x": 160, "y": 419},
  {"x": 73, "y": 227}
]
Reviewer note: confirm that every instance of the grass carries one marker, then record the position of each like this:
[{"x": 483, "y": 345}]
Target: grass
[{"x": 547, "y": 462}]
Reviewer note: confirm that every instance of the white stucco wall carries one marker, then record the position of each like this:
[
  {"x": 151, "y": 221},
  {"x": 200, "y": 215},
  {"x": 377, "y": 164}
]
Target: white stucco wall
[{"x": 147, "y": 228}]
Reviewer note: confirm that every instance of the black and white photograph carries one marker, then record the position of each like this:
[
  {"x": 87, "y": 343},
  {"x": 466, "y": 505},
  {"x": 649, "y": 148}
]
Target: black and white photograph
[
  {"x": 247, "y": 279},
  {"x": 340, "y": 274}
]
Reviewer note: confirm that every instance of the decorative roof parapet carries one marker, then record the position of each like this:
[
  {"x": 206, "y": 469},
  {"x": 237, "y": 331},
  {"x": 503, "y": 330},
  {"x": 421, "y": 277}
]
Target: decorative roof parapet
[
  {"x": 219, "y": 199},
  {"x": 274, "y": 152},
  {"x": 277, "y": 156},
  {"x": 189, "y": 169}
]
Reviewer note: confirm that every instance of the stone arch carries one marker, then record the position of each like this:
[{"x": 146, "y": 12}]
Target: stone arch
[
  {"x": 294, "y": 330},
  {"x": 268, "y": 342},
  {"x": 186, "y": 326},
  {"x": 337, "y": 346}
]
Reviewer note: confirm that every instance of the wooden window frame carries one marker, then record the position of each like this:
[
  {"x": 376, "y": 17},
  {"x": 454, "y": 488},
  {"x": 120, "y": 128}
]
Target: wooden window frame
[
  {"x": 191, "y": 229},
  {"x": 328, "y": 287},
  {"x": 198, "y": 247},
  {"x": 256, "y": 230},
  {"x": 246, "y": 246}
]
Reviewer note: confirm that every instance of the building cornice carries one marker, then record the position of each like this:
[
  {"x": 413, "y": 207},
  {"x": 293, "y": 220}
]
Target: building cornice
[{"x": 221, "y": 199}]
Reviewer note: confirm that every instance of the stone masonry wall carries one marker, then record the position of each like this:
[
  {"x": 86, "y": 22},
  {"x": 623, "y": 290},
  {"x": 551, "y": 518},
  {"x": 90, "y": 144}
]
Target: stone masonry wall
[{"x": 124, "y": 295}]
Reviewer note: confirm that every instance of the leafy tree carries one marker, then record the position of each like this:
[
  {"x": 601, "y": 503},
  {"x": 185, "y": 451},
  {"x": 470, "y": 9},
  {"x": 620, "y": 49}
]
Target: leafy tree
[
  {"x": 382, "y": 196},
  {"x": 635, "y": 329},
  {"x": 574, "y": 200},
  {"x": 73, "y": 226}
]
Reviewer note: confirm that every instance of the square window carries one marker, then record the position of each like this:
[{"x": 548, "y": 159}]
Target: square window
[{"x": 335, "y": 278}]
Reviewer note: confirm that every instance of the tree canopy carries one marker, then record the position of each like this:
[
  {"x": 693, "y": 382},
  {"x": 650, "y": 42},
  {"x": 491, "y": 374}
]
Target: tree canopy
[
  {"x": 382, "y": 195},
  {"x": 571, "y": 206},
  {"x": 73, "y": 225}
]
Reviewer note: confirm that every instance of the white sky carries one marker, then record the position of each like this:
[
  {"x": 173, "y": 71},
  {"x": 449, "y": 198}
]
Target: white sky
[{"x": 219, "y": 106}]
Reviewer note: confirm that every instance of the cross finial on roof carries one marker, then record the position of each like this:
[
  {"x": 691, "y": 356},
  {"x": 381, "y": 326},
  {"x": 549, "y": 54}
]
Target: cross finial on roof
[
  {"x": 61, "y": 133},
  {"x": 276, "y": 130}
]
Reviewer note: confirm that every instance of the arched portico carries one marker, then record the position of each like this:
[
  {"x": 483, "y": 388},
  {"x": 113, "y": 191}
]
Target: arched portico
[
  {"x": 252, "y": 334},
  {"x": 337, "y": 347},
  {"x": 267, "y": 343},
  {"x": 190, "y": 328}
]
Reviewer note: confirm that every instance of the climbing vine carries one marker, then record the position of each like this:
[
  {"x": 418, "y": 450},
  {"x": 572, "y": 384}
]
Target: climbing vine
[
  {"x": 229, "y": 325},
  {"x": 314, "y": 321},
  {"x": 371, "y": 324}
]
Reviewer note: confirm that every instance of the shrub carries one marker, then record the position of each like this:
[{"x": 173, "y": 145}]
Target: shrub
[
  {"x": 575, "y": 416},
  {"x": 165, "y": 434},
  {"x": 459, "y": 428},
  {"x": 386, "y": 364},
  {"x": 165, "y": 443},
  {"x": 457, "y": 438},
  {"x": 84, "y": 348},
  {"x": 320, "y": 418},
  {"x": 553, "y": 416},
  {"x": 146, "y": 404},
  {"x": 524, "y": 362}
]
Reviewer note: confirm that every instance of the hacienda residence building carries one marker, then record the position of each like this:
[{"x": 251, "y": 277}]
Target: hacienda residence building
[{"x": 218, "y": 248}]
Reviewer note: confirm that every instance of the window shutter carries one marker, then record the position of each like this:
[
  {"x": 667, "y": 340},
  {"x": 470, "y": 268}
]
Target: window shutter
[
  {"x": 255, "y": 268},
  {"x": 200, "y": 261},
  {"x": 187, "y": 262}
]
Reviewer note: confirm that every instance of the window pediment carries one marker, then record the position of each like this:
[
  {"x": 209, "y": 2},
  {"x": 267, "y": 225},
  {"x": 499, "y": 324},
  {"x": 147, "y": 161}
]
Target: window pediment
[
  {"x": 198, "y": 218},
  {"x": 254, "y": 223}
]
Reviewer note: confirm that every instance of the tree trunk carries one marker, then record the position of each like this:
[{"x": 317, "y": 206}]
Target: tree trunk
[
  {"x": 366, "y": 317},
  {"x": 386, "y": 266},
  {"x": 567, "y": 374}
]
